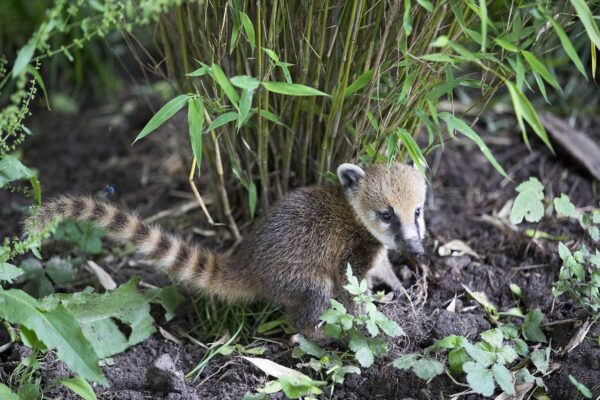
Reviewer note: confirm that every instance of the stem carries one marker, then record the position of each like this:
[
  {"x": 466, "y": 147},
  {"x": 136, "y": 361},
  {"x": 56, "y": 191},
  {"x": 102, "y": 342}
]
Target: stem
[{"x": 263, "y": 132}]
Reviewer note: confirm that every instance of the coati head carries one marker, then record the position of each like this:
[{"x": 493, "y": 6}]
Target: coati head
[{"x": 389, "y": 201}]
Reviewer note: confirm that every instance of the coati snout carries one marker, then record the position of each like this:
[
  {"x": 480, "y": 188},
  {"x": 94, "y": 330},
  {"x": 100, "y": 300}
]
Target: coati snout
[{"x": 389, "y": 202}]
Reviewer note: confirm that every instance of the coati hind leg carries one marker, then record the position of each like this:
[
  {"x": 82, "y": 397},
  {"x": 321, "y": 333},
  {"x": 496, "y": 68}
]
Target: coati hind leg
[{"x": 305, "y": 308}]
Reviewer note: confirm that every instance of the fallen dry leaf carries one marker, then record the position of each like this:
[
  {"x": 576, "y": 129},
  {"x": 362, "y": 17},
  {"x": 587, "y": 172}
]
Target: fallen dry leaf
[{"x": 456, "y": 248}]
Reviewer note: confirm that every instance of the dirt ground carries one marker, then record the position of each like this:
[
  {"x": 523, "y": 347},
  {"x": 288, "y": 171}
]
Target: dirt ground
[{"x": 84, "y": 153}]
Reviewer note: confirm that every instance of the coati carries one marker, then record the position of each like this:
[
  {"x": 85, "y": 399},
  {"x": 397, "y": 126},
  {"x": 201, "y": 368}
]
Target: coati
[{"x": 298, "y": 255}]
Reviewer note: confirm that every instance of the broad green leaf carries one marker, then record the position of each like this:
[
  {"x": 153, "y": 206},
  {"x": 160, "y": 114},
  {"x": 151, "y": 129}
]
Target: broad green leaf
[
  {"x": 61, "y": 271},
  {"x": 454, "y": 123},
  {"x": 195, "y": 126},
  {"x": 9, "y": 272},
  {"x": 360, "y": 82},
  {"x": 390, "y": 328},
  {"x": 245, "y": 82},
  {"x": 80, "y": 386},
  {"x": 296, "y": 387},
  {"x": 594, "y": 233},
  {"x": 540, "y": 68},
  {"x": 581, "y": 388},
  {"x": 479, "y": 378},
  {"x": 37, "y": 283},
  {"x": 494, "y": 337},
  {"x": 428, "y": 368},
  {"x": 248, "y": 29},
  {"x": 222, "y": 80},
  {"x": 24, "y": 56},
  {"x": 163, "y": 115},
  {"x": 541, "y": 359},
  {"x": 480, "y": 356},
  {"x": 515, "y": 289},
  {"x": 11, "y": 169},
  {"x": 506, "y": 355},
  {"x": 97, "y": 314},
  {"x": 449, "y": 342},
  {"x": 587, "y": 19},
  {"x": 57, "y": 328},
  {"x": 521, "y": 347},
  {"x": 292, "y": 89},
  {"x": 222, "y": 120},
  {"x": 168, "y": 297},
  {"x": 456, "y": 359},
  {"x": 531, "y": 326},
  {"x": 6, "y": 393},
  {"x": 311, "y": 348},
  {"x": 568, "y": 46},
  {"x": 504, "y": 378},
  {"x": 524, "y": 110},
  {"x": 360, "y": 346},
  {"x": 564, "y": 207},
  {"x": 529, "y": 202},
  {"x": 406, "y": 361}
]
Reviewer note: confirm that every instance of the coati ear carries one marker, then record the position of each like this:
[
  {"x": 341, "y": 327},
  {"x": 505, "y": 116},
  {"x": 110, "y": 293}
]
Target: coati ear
[{"x": 350, "y": 175}]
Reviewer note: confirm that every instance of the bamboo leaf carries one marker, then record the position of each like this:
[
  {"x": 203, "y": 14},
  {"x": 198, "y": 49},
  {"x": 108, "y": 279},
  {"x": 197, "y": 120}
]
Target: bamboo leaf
[
  {"x": 80, "y": 386},
  {"x": 245, "y": 82},
  {"x": 292, "y": 89},
  {"x": 413, "y": 149},
  {"x": 360, "y": 82},
  {"x": 568, "y": 46},
  {"x": 163, "y": 115},
  {"x": 407, "y": 19},
  {"x": 222, "y": 120},
  {"x": 222, "y": 80},
  {"x": 454, "y": 123},
  {"x": 245, "y": 104},
  {"x": 524, "y": 110},
  {"x": 540, "y": 68},
  {"x": 195, "y": 125},
  {"x": 248, "y": 29},
  {"x": 252, "y": 195},
  {"x": 587, "y": 19},
  {"x": 426, "y": 4}
]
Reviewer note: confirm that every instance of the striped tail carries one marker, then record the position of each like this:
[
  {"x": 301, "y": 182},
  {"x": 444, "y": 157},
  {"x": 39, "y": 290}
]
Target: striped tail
[{"x": 191, "y": 265}]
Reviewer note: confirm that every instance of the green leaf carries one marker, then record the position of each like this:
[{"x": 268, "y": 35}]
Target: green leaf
[
  {"x": 39, "y": 81},
  {"x": 406, "y": 361},
  {"x": 245, "y": 105},
  {"x": 407, "y": 19},
  {"x": 454, "y": 123},
  {"x": 11, "y": 169},
  {"x": 332, "y": 331},
  {"x": 515, "y": 289},
  {"x": 203, "y": 70},
  {"x": 568, "y": 46},
  {"x": 479, "y": 378},
  {"x": 252, "y": 195},
  {"x": 163, "y": 115},
  {"x": 529, "y": 202},
  {"x": 483, "y": 15},
  {"x": 390, "y": 328},
  {"x": 413, "y": 149},
  {"x": 587, "y": 19},
  {"x": 292, "y": 89},
  {"x": 248, "y": 29},
  {"x": 531, "y": 326},
  {"x": 594, "y": 233},
  {"x": 24, "y": 56},
  {"x": 168, "y": 297},
  {"x": 37, "y": 283},
  {"x": 494, "y": 337},
  {"x": 504, "y": 378},
  {"x": 80, "y": 386},
  {"x": 456, "y": 359},
  {"x": 57, "y": 328},
  {"x": 541, "y": 359},
  {"x": 61, "y": 271},
  {"x": 245, "y": 82},
  {"x": 521, "y": 347},
  {"x": 581, "y": 388},
  {"x": 449, "y": 342},
  {"x": 360, "y": 346},
  {"x": 428, "y": 368},
  {"x": 6, "y": 393},
  {"x": 195, "y": 126},
  {"x": 524, "y": 110},
  {"x": 426, "y": 4},
  {"x": 222, "y": 120},
  {"x": 97, "y": 314},
  {"x": 506, "y": 45},
  {"x": 506, "y": 355},
  {"x": 272, "y": 55},
  {"x": 540, "y": 68},
  {"x": 222, "y": 80},
  {"x": 564, "y": 207},
  {"x": 311, "y": 348},
  {"x": 360, "y": 82},
  {"x": 9, "y": 272}
]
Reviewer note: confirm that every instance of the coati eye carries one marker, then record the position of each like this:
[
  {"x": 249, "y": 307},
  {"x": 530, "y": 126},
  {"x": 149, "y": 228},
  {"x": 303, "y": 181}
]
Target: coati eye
[
  {"x": 418, "y": 212},
  {"x": 386, "y": 216}
]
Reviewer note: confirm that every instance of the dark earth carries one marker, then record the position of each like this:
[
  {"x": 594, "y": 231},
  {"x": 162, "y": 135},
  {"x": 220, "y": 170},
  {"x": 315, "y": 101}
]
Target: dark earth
[{"x": 83, "y": 153}]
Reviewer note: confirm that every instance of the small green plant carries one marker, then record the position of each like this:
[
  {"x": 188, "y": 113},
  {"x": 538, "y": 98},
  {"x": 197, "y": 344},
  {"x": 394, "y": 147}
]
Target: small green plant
[
  {"x": 579, "y": 275},
  {"x": 362, "y": 331},
  {"x": 489, "y": 363}
]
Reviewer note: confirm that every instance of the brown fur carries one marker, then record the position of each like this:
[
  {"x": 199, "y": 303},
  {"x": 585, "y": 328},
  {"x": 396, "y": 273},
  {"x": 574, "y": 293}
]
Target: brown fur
[{"x": 297, "y": 256}]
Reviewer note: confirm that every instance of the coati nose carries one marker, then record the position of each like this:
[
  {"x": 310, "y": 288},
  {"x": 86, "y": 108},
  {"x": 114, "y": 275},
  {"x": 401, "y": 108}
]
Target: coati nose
[{"x": 415, "y": 248}]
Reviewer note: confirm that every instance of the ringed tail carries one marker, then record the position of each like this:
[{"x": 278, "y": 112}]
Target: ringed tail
[{"x": 192, "y": 265}]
